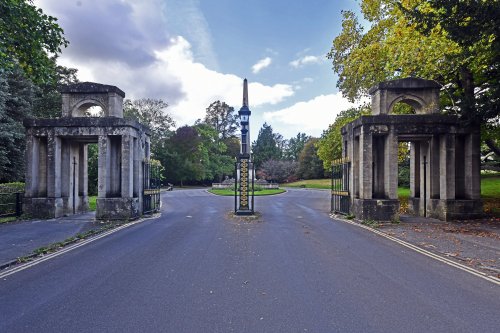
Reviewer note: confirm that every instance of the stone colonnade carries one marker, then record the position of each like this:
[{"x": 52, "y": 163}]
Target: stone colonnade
[
  {"x": 444, "y": 156},
  {"x": 57, "y": 154}
]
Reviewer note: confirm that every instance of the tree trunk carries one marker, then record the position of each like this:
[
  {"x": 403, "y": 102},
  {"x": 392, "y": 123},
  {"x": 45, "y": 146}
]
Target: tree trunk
[
  {"x": 469, "y": 99},
  {"x": 492, "y": 146}
]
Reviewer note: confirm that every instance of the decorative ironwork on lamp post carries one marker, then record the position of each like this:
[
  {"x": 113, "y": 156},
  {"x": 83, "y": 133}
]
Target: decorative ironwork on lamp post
[{"x": 244, "y": 187}]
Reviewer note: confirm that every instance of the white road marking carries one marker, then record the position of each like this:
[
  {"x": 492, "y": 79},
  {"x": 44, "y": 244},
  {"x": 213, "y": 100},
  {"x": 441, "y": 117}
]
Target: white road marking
[
  {"x": 418, "y": 249},
  {"x": 66, "y": 249}
]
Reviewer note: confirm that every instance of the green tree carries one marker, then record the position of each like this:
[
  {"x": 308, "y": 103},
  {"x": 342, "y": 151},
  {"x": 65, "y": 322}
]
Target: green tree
[
  {"x": 151, "y": 113},
  {"x": 441, "y": 40},
  {"x": 267, "y": 146},
  {"x": 28, "y": 39},
  {"x": 330, "y": 144},
  {"x": 16, "y": 102},
  {"x": 310, "y": 165},
  {"x": 473, "y": 25},
  {"x": 223, "y": 118},
  {"x": 213, "y": 155},
  {"x": 47, "y": 101},
  {"x": 295, "y": 146}
]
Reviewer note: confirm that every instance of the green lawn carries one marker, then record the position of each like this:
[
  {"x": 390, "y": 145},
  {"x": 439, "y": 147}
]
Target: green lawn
[
  {"x": 311, "y": 183},
  {"x": 490, "y": 186},
  {"x": 92, "y": 203},
  {"x": 257, "y": 193}
]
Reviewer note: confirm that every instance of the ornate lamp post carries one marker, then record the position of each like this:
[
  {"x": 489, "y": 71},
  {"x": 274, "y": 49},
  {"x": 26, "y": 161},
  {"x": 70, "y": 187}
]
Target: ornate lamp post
[{"x": 244, "y": 196}]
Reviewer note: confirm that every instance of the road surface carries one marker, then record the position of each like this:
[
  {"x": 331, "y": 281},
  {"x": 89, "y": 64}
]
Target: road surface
[{"x": 196, "y": 269}]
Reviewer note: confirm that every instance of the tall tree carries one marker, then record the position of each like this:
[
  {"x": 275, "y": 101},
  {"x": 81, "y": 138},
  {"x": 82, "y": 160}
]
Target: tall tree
[
  {"x": 310, "y": 165},
  {"x": 223, "y": 118},
  {"x": 153, "y": 114},
  {"x": 330, "y": 144},
  {"x": 47, "y": 101},
  {"x": 473, "y": 25},
  {"x": 16, "y": 102},
  {"x": 442, "y": 40},
  {"x": 295, "y": 146},
  {"x": 28, "y": 38},
  {"x": 266, "y": 147}
]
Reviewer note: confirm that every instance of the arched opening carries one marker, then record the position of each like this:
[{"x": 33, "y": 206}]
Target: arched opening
[
  {"x": 88, "y": 109},
  {"x": 407, "y": 104}
]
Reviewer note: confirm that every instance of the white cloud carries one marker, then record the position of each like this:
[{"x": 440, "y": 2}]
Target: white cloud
[
  {"x": 311, "y": 116},
  {"x": 261, "y": 64},
  {"x": 164, "y": 68},
  {"x": 306, "y": 60}
]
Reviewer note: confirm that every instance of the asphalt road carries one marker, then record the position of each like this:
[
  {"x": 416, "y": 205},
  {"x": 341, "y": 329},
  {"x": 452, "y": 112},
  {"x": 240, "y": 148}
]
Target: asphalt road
[{"x": 294, "y": 270}]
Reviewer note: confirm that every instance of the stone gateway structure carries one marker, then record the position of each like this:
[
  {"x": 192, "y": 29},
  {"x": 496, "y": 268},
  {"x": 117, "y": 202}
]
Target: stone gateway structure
[
  {"x": 56, "y": 155},
  {"x": 444, "y": 156}
]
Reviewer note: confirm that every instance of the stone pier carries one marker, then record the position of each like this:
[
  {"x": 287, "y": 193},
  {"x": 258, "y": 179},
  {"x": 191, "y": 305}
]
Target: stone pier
[
  {"x": 444, "y": 156},
  {"x": 57, "y": 152}
]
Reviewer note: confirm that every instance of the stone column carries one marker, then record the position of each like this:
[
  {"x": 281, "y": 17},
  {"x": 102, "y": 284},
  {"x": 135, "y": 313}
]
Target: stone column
[
  {"x": 434, "y": 170},
  {"x": 83, "y": 170},
  {"x": 424, "y": 179},
  {"x": 114, "y": 153},
  {"x": 31, "y": 165},
  {"x": 53, "y": 165},
  {"x": 391, "y": 165},
  {"x": 137, "y": 162},
  {"x": 472, "y": 166},
  {"x": 127, "y": 167},
  {"x": 365, "y": 163},
  {"x": 102, "y": 162},
  {"x": 415, "y": 169},
  {"x": 447, "y": 167},
  {"x": 355, "y": 169}
]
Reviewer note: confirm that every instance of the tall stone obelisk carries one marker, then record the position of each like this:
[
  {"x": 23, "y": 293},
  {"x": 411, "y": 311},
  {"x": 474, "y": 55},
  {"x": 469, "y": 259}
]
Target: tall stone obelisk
[{"x": 244, "y": 206}]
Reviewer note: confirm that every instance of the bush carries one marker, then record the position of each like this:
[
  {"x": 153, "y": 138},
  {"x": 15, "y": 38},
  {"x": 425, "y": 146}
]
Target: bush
[
  {"x": 404, "y": 175},
  {"x": 8, "y": 197}
]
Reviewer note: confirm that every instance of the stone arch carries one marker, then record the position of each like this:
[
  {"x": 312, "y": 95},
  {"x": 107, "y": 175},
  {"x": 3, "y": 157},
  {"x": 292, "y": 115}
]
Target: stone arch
[
  {"x": 421, "y": 94},
  {"x": 417, "y": 103},
  {"x": 80, "y": 107},
  {"x": 75, "y": 96}
]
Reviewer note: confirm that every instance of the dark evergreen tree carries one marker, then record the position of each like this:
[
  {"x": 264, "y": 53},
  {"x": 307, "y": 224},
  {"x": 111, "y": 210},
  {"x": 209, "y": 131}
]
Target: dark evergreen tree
[
  {"x": 266, "y": 147},
  {"x": 310, "y": 165}
]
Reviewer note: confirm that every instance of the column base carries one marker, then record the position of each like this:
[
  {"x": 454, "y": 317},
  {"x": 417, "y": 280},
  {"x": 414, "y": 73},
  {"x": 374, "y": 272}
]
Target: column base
[
  {"x": 43, "y": 208},
  {"x": 376, "y": 209},
  {"x": 448, "y": 210},
  {"x": 117, "y": 209}
]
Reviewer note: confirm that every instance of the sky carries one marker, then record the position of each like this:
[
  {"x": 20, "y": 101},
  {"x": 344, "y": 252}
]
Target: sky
[{"x": 190, "y": 53}]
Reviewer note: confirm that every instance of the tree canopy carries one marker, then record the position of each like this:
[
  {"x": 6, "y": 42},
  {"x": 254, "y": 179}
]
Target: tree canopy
[
  {"x": 28, "y": 39},
  {"x": 453, "y": 42},
  {"x": 330, "y": 144},
  {"x": 268, "y": 145},
  {"x": 222, "y": 118}
]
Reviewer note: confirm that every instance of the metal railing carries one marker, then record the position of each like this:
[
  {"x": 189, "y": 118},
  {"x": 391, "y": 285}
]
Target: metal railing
[{"x": 11, "y": 204}]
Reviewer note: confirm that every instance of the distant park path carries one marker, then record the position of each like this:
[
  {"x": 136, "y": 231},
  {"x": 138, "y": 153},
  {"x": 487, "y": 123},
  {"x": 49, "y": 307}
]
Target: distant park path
[{"x": 196, "y": 269}]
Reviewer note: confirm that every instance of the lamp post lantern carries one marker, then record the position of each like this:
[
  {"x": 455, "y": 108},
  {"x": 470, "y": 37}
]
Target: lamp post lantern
[{"x": 244, "y": 188}]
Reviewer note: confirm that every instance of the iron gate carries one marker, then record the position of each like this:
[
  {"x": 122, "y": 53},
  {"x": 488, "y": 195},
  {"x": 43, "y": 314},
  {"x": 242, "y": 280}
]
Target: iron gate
[
  {"x": 341, "y": 200},
  {"x": 151, "y": 186}
]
